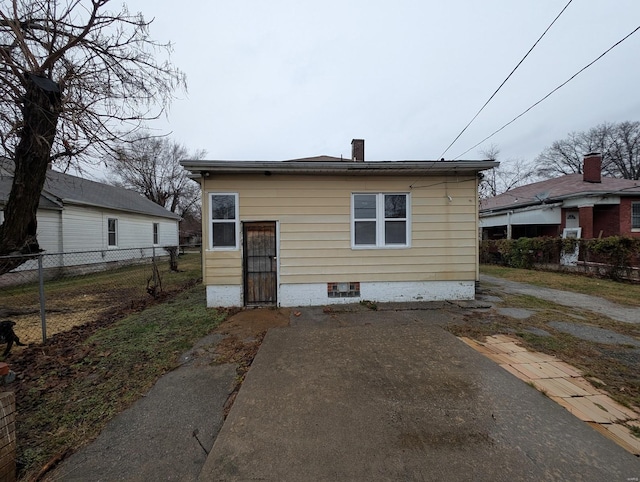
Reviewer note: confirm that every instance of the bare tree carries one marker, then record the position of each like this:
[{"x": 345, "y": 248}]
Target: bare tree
[
  {"x": 74, "y": 77},
  {"x": 151, "y": 166},
  {"x": 510, "y": 174},
  {"x": 619, "y": 144},
  {"x": 624, "y": 150}
]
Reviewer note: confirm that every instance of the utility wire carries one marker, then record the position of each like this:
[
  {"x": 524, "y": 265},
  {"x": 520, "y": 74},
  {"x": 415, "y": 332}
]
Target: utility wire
[
  {"x": 504, "y": 81},
  {"x": 554, "y": 90}
]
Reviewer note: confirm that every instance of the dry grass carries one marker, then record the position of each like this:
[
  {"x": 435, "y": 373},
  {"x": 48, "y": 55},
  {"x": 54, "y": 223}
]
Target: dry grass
[
  {"x": 77, "y": 300},
  {"x": 616, "y": 292},
  {"x": 71, "y": 387}
]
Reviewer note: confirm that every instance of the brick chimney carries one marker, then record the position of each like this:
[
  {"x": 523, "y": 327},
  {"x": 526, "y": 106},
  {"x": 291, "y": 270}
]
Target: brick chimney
[
  {"x": 357, "y": 150},
  {"x": 592, "y": 167}
]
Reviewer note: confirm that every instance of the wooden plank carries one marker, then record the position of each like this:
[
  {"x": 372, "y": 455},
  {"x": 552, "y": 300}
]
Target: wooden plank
[
  {"x": 578, "y": 387},
  {"x": 522, "y": 368},
  {"x": 510, "y": 347},
  {"x": 583, "y": 384},
  {"x": 500, "y": 359},
  {"x": 626, "y": 436},
  {"x": 532, "y": 357},
  {"x": 593, "y": 412},
  {"x": 620, "y": 435},
  {"x": 7, "y": 437},
  {"x": 572, "y": 408},
  {"x": 517, "y": 373},
  {"x": 491, "y": 348},
  {"x": 7, "y": 448},
  {"x": 613, "y": 407},
  {"x": 566, "y": 368},
  {"x": 557, "y": 388},
  {"x": 534, "y": 370},
  {"x": 550, "y": 370}
]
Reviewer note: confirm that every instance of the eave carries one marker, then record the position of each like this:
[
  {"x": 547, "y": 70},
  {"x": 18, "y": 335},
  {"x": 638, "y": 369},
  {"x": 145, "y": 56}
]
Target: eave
[
  {"x": 558, "y": 200},
  {"x": 344, "y": 168}
]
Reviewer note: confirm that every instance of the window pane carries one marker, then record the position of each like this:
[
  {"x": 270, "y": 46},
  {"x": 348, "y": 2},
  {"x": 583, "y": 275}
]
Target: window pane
[
  {"x": 224, "y": 235},
  {"x": 395, "y": 232},
  {"x": 364, "y": 206},
  {"x": 155, "y": 233},
  {"x": 111, "y": 232},
  {"x": 365, "y": 232},
  {"x": 635, "y": 215},
  {"x": 223, "y": 206},
  {"x": 395, "y": 206}
]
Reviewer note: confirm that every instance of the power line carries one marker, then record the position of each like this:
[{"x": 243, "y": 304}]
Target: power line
[
  {"x": 554, "y": 90},
  {"x": 505, "y": 80}
]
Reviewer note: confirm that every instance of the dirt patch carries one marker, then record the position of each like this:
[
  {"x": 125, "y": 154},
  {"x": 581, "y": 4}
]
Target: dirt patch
[
  {"x": 248, "y": 323},
  {"x": 243, "y": 334}
]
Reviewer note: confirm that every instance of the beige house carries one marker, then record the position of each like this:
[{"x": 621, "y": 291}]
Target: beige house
[{"x": 322, "y": 230}]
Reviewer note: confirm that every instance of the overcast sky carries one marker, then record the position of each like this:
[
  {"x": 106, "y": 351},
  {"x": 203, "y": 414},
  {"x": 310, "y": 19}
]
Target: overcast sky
[{"x": 283, "y": 79}]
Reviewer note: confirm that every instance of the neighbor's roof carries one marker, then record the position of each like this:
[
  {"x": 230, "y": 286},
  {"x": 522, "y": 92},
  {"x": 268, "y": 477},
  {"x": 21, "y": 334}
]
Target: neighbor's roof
[
  {"x": 337, "y": 166},
  {"x": 60, "y": 189},
  {"x": 557, "y": 189}
]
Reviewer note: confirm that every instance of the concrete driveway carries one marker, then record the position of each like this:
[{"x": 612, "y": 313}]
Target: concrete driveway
[{"x": 390, "y": 395}]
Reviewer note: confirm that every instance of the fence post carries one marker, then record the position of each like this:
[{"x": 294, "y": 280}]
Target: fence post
[{"x": 43, "y": 315}]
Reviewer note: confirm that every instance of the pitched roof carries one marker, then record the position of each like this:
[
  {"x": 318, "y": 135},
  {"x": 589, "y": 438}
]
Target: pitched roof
[
  {"x": 557, "y": 189},
  {"x": 60, "y": 189},
  {"x": 319, "y": 159}
]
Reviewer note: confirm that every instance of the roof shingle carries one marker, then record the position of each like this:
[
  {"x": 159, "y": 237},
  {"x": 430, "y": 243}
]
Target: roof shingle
[{"x": 557, "y": 189}]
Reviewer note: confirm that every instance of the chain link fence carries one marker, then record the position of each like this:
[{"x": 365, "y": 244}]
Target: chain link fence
[{"x": 49, "y": 293}]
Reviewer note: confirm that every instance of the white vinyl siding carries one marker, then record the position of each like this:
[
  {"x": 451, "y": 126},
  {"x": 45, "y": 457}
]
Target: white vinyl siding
[
  {"x": 49, "y": 230},
  {"x": 85, "y": 229}
]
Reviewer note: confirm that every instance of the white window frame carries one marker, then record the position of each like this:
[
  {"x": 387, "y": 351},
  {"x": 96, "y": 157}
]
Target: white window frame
[
  {"x": 636, "y": 228},
  {"x": 380, "y": 221},
  {"x": 156, "y": 233},
  {"x": 235, "y": 221},
  {"x": 115, "y": 233}
]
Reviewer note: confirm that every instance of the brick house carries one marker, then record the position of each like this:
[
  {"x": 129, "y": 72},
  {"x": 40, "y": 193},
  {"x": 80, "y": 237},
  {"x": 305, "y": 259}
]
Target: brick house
[{"x": 599, "y": 206}]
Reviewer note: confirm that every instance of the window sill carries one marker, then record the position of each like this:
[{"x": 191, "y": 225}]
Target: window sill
[{"x": 358, "y": 248}]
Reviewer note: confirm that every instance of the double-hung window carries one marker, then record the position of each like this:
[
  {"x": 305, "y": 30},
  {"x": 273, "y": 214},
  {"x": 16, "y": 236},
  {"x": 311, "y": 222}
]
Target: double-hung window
[
  {"x": 223, "y": 208},
  {"x": 635, "y": 216},
  {"x": 112, "y": 232},
  {"x": 380, "y": 220}
]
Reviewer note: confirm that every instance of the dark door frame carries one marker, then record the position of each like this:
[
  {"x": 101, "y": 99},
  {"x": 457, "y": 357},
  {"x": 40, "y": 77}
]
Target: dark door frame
[{"x": 260, "y": 270}]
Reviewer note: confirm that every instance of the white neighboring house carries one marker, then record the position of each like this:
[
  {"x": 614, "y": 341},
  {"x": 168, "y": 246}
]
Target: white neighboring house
[{"x": 77, "y": 215}]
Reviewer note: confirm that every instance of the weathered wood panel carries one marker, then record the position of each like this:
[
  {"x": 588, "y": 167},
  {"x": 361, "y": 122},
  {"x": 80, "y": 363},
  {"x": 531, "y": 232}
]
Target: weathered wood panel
[{"x": 7, "y": 437}]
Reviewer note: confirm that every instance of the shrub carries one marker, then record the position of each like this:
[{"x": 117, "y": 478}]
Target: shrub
[{"x": 618, "y": 253}]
